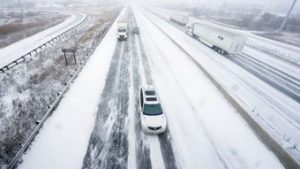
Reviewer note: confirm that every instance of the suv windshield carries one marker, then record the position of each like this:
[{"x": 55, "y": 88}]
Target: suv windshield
[{"x": 152, "y": 109}]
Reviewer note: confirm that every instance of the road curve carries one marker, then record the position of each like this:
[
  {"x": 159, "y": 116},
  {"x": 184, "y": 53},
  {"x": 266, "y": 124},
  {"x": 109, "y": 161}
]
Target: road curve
[{"x": 16, "y": 50}]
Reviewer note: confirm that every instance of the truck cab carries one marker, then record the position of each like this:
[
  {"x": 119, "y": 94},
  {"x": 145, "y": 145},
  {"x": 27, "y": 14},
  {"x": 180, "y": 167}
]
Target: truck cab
[
  {"x": 122, "y": 31},
  {"x": 189, "y": 29}
]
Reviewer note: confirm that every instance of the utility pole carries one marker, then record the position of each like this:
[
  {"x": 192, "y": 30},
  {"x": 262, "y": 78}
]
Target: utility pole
[
  {"x": 286, "y": 17},
  {"x": 22, "y": 11}
]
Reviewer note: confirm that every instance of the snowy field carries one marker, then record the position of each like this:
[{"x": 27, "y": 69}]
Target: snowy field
[{"x": 13, "y": 29}]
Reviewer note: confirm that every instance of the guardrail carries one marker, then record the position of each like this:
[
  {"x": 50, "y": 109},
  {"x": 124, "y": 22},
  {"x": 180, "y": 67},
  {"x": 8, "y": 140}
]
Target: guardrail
[
  {"x": 100, "y": 35},
  {"x": 22, "y": 58}
]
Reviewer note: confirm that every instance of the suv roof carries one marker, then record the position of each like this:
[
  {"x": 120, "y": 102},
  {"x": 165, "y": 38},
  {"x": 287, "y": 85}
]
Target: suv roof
[{"x": 150, "y": 96}]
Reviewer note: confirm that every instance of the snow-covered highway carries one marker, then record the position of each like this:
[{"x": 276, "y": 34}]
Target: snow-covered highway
[
  {"x": 273, "y": 111},
  {"x": 97, "y": 123},
  {"x": 20, "y": 48},
  {"x": 189, "y": 101}
]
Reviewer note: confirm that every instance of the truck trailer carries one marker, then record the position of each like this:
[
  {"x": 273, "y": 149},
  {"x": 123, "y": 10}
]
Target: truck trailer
[
  {"x": 179, "y": 18},
  {"x": 222, "y": 41}
]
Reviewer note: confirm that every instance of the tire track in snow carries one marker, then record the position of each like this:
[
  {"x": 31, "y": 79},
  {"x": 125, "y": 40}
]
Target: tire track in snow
[
  {"x": 131, "y": 113},
  {"x": 152, "y": 141},
  {"x": 164, "y": 138},
  {"x": 118, "y": 151},
  {"x": 108, "y": 146},
  {"x": 142, "y": 150},
  {"x": 220, "y": 155}
]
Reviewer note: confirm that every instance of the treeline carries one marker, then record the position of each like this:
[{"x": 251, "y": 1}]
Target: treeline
[{"x": 256, "y": 22}]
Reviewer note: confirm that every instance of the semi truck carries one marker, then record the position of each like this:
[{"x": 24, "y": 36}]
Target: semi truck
[
  {"x": 179, "y": 18},
  {"x": 221, "y": 40},
  {"x": 122, "y": 29}
]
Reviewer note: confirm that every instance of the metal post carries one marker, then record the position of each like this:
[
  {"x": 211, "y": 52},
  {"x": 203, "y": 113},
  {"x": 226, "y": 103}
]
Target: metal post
[
  {"x": 286, "y": 17},
  {"x": 66, "y": 58},
  {"x": 74, "y": 57}
]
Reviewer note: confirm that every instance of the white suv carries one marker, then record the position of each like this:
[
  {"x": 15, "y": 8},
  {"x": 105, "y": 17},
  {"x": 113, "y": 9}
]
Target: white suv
[{"x": 153, "y": 119}]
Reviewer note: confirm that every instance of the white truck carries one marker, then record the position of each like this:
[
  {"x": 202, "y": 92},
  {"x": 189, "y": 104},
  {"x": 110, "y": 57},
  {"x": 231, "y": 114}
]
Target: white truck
[
  {"x": 179, "y": 18},
  {"x": 122, "y": 29},
  {"x": 222, "y": 41}
]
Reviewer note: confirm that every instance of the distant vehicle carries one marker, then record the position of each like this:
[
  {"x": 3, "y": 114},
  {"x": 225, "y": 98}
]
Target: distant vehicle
[
  {"x": 122, "y": 29},
  {"x": 179, "y": 18},
  {"x": 153, "y": 119},
  {"x": 136, "y": 30},
  {"x": 222, "y": 41}
]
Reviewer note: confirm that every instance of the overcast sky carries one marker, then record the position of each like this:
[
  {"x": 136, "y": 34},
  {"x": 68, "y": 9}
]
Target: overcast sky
[
  {"x": 261, "y": 2},
  {"x": 282, "y": 5},
  {"x": 266, "y": 4},
  {"x": 285, "y": 4}
]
